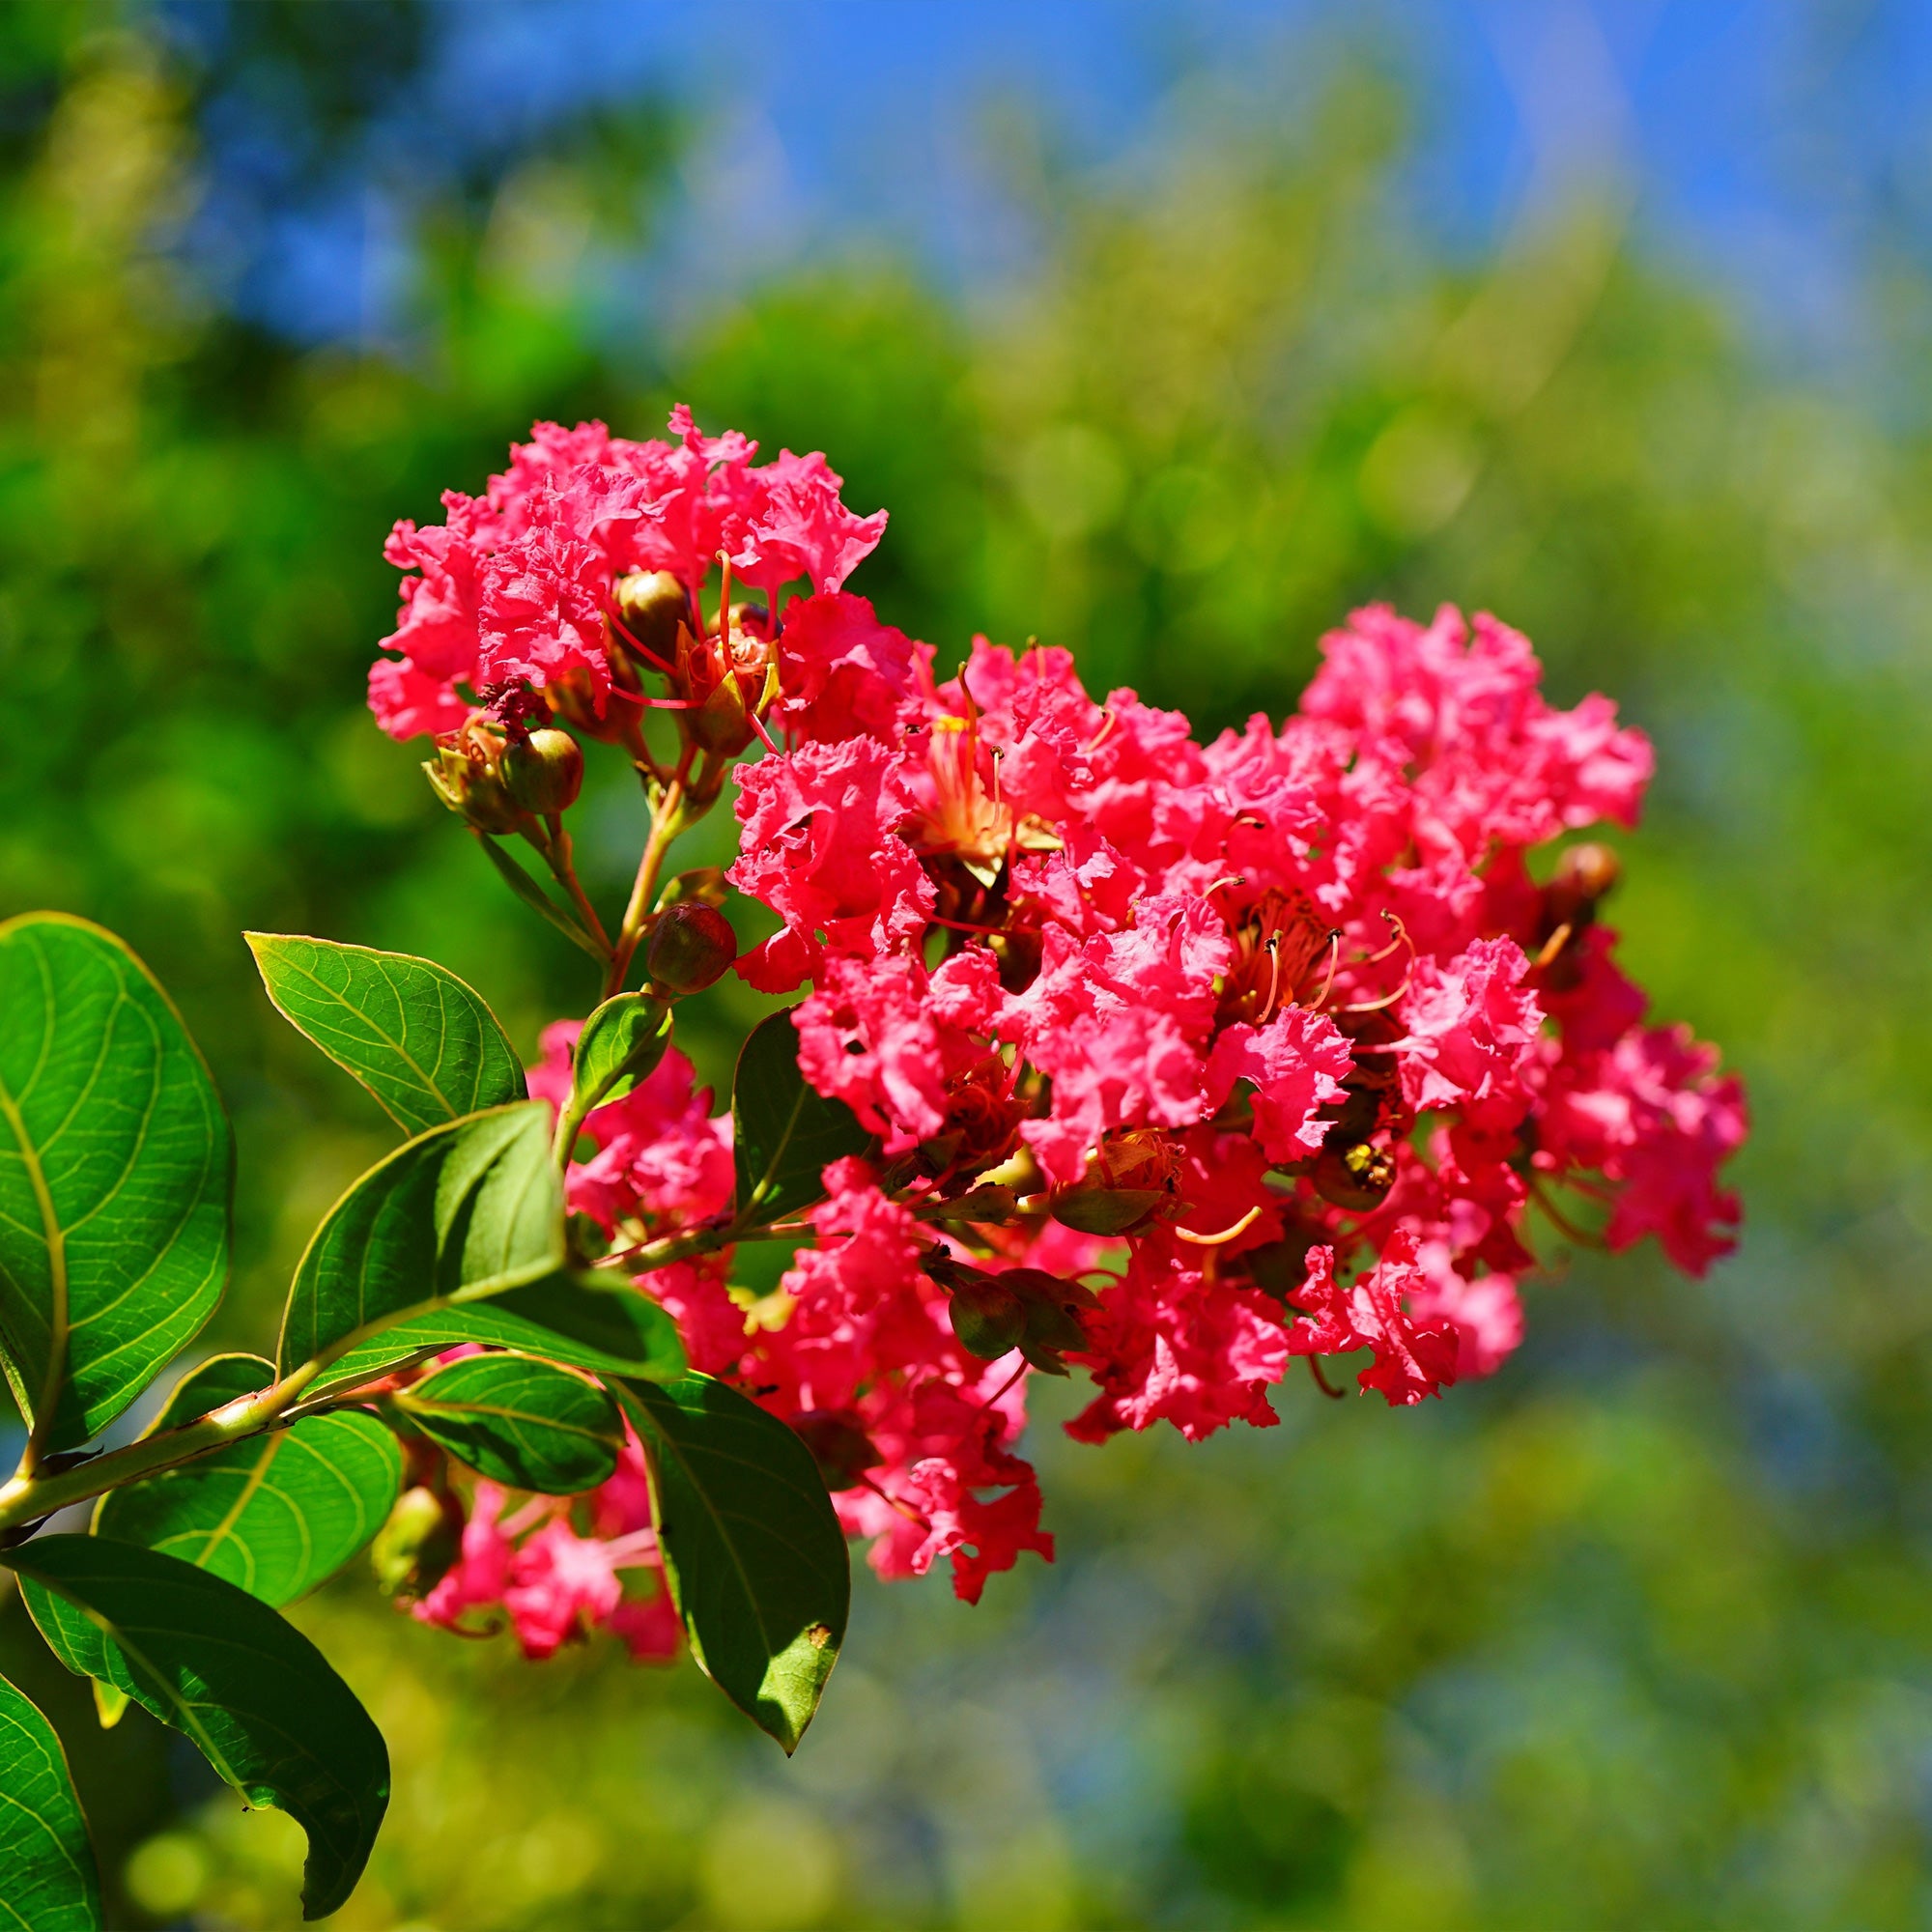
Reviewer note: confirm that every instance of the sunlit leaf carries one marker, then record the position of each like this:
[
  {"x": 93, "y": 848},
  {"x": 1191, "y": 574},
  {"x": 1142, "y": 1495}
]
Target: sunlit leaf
[
  {"x": 751, "y": 1547},
  {"x": 609, "y": 1328},
  {"x": 48, "y": 1878},
  {"x": 251, "y": 1693},
  {"x": 522, "y": 1422},
  {"x": 463, "y": 1211},
  {"x": 116, "y": 1172},
  {"x": 421, "y": 1041},
  {"x": 275, "y": 1515}
]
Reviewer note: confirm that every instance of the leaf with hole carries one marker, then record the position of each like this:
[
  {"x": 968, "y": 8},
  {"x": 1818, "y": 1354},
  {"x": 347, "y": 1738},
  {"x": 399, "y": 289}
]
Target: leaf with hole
[
  {"x": 117, "y": 1167},
  {"x": 275, "y": 1515},
  {"x": 48, "y": 1877},
  {"x": 583, "y": 1321},
  {"x": 246, "y": 1687},
  {"x": 523, "y": 1423},
  {"x": 421, "y": 1041},
  {"x": 463, "y": 1211},
  {"x": 785, "y": 1132},
  {"x": 751, "y": 1547}
]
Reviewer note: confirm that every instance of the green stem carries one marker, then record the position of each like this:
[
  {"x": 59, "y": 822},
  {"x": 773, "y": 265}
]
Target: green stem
[
  {"x": 557, "y": 856},
  {"x": 27, "y": 1497}
]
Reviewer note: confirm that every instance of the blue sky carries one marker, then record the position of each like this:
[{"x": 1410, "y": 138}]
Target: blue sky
[{"x": 1766, "y": 138}]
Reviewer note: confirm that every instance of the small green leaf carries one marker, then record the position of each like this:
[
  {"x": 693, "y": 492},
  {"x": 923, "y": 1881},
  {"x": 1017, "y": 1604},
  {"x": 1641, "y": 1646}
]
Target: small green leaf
[
  {"x": 47, "y": 1879},
  {"x": 584, "y": 1321},
  {"x": 785, "y": 1132},
  {"x": 523, "y": 1423},
  {"x": 751, "y": 1547},
  {"x": 621, "y": 1045},
  {"x": 275, "y": 1515},
  {"x": 538, "y": 900},
  {"x": 116, "y": 1171},
  {"x": 421, "y": 1041},
  {"x": 463, "y": 1211},
  {"x": 251, "y": 1693}
]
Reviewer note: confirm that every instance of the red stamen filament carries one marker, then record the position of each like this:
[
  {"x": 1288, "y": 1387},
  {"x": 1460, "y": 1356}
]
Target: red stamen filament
[
  {"x": 1003, "y": 1388},
  {"x": 649, "y": 656},
  {"x": 1321, "y": 1380},
  {"x": 906, "y": 1510},
  {"x": 1107, "y": 723}
]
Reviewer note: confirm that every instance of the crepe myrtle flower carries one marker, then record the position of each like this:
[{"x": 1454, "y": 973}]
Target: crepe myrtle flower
[{"x": 1179, "y": 1059}]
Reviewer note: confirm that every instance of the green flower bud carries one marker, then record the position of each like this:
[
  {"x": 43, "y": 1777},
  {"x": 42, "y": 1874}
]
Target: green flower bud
[
  {"x": 414, "y": 1549},
  {"x": 545, "y": 773},
  {"x": 467, "y": 775},
  {"x": 692, "y": 943},
  {"x": 988, "y": 1318},
  {"x": 653, "y": 605}
]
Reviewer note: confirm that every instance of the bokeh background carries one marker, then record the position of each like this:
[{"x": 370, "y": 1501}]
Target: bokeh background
[{"x": 1168, "y": 333}]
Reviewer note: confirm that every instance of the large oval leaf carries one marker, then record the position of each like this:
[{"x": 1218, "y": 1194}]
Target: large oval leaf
[
  {"x": 116, "y": 1170},
  {"x": 421, "y": 1041},
  {"x": 255, "y": 1696},
  {"x": 275, "y": 1515},
  {"x": 48, "y": 1877},
  {"x": 520, "y": 1422},
  {"x": 751, "y": 1547},
  {"x": 608, "y": 1329},
  {"x": 785, "y": 1132},
  {"x": 463, "y": 1211}
]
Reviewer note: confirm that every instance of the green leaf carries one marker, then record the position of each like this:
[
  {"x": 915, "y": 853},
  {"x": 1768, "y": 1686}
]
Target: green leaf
[
  {"x": 47, "y": 1879},
  {"x": 785, "y": 1132},
  {"x": 621, "y": 1045},
  {"x": 463, "y": 1211},
  {"x": 523, "y": 1423},
  {"x": 540, "y": 901},
  {"x": 751, "y": 1547},
  {"x": 116, "y": 1171},
  {"x": 275, "y": 1515},
  {"x": 253, "y": 1693},
  {"x": 419, "y": 1040},
  {"x": 583, "y": 1321}
]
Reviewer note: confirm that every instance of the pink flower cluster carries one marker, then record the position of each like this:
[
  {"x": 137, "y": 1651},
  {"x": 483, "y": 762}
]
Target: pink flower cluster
[
  {"x": 513, "y": 590},
  {"x": 1180, "y": 1060},
  {"x": 554, "y": 1583}
]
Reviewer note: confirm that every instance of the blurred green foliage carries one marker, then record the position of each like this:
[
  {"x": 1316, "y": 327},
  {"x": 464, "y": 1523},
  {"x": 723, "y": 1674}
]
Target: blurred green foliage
[{"x": 1635, "y": 1635}]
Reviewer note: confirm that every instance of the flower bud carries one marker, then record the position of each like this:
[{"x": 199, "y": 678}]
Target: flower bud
[
  {"x": 467, "y": 775},
  {"x": 1356, "y": 1176},
  {"x": 720, "y": 723},
  {"x": 1127, "y": 1178},
  {"x": 545, "y": 773},
  {"x": 1584, "y": 874},
  {"x": 653, "y": 604},
  {"x": 841, "y": 1449},
  {"x": 415, "y": 1548},
  {"x": 989, "y": 1319},
  {"x": 692, "y": 943}
]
